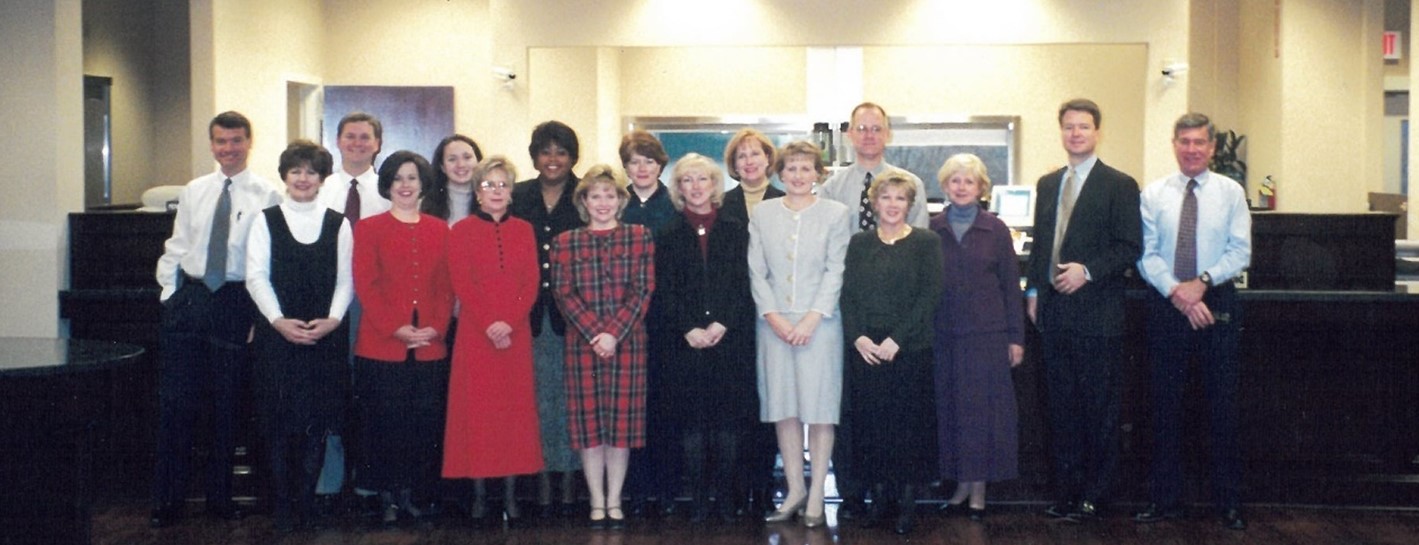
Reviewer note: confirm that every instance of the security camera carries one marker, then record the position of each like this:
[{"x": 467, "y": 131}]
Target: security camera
[
  {"x": 1174, "y": 69},
  {"x": 504, "y": 73}
]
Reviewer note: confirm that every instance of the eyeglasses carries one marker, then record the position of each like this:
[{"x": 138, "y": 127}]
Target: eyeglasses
[
  {"x": 875, "y": 129},
  {"x": 489, "y": 185}
]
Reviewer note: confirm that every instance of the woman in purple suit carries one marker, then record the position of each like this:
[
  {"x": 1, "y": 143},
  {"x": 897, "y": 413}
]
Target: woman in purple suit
[{"x": 979, "y": 338}]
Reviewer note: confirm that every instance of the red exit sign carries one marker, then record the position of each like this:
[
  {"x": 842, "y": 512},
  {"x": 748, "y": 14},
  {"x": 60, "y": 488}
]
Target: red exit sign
[{"x": 1391, "y": 45}]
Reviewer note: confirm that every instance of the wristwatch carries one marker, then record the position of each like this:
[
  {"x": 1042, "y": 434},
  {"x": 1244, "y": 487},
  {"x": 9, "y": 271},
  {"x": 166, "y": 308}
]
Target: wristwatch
[{"x": 1206, "y": 278}]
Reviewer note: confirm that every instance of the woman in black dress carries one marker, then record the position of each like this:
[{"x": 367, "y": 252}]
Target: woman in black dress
[
  {"x": 298, "y": 273},
  {"x": 891, "y": 286},
  {"x": 706, "y": 314}
]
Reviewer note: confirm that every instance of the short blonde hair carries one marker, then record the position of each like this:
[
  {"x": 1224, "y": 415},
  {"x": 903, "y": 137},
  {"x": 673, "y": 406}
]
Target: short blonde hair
[
  {"x": 597, "y": 175},
  {"x": 747, "y": 135},
  {"x": 492, "y": 163},
  {"x": 797, "y": 148},
  {"x": 694, "y": 163},
  {"x": 892, "y": 177},
  {"x": 968, "y": 164}
]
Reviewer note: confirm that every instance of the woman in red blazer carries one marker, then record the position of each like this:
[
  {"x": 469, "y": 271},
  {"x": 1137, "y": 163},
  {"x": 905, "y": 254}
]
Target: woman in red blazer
[{"x": 401, "y": 359}]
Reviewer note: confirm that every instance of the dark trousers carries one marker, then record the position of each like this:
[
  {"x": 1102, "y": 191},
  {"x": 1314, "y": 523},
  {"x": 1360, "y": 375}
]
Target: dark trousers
[
  {"x": 1082, "y": 375},
  {"x": 295, "y": 457},
  {"x": 850, "y": 486},
  {"x": 1171, "y": 343},
  {"x": 203, "y": 342}
]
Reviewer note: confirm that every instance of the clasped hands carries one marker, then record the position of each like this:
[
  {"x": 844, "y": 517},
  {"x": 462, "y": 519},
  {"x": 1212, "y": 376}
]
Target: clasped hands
[
  {"x": 794, "y": 334},
  {"x": 705, "y": 337},
  {"x": 415, "y": 337},
  {"x": 604, "y": 345},
  {"x": 1187, "y": 298},
  {"x": 500, "y": 333},
  {"x": 304, "y": 332},
  {"x": 875, "y": 353}
]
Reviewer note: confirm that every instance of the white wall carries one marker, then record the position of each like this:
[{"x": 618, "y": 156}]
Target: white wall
[{"x": 41, "y": 131}]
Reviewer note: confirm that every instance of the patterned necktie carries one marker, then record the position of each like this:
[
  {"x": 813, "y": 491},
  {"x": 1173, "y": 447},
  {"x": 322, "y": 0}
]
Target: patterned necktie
[
  {"x": 865, "y": 220},
  {"x": 352, "y": 202},
  {"x": 1067, "y": 196},
  {"x": 1185, "y": 254},
  {"x": 216, "y": 273}
]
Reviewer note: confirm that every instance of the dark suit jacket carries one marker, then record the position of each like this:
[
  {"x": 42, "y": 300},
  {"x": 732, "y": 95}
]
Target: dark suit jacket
[
  {"x": 735, "y": 207},
  {"x": 1105, "y": 235}
]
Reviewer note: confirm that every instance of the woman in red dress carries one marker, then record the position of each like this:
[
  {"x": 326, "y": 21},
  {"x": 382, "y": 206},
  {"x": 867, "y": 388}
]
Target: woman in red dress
[
  {"x": 603, "y": 275},
  {"x": 492, "y": 407}
]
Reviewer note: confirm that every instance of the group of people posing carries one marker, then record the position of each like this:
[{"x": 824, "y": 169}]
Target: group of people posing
[{"x": 442, "y": 320}]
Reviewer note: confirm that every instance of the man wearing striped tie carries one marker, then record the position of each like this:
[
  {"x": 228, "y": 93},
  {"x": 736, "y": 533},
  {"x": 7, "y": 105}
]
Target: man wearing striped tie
[{"x": 1196, "y": 240}]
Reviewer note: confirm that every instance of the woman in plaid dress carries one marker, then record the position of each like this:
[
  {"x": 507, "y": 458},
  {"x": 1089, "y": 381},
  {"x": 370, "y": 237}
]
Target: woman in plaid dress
[{"x": 603, "y": 275}]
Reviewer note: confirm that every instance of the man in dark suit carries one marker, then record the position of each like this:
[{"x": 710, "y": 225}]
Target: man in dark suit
[{"x": 1087, "y": 234}]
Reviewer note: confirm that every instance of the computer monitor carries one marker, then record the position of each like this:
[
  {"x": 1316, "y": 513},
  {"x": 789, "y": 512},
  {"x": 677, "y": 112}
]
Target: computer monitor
[{"x": 1014, "y": 204}]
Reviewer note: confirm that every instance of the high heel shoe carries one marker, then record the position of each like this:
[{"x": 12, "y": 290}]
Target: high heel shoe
[
  {"x": 811, "y": 521},
  {"x": 786, "y": 512}
]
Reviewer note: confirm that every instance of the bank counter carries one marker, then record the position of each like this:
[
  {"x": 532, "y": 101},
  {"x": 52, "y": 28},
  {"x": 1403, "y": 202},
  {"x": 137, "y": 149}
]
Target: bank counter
[{"x": 1330, "y": 375}]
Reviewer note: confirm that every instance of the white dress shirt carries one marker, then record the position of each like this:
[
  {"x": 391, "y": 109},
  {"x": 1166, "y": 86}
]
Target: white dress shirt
[
  {"x": 1223, "y": 229},
  {"x": 336, "y": 190},
  {"x": 305, "y": 220},
  {"x": 845, "y": 186},
  {"x": 186, "y": 250}
]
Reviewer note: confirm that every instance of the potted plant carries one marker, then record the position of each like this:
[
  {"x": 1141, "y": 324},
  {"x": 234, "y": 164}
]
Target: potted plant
[{"x": 1225, "y": 158}]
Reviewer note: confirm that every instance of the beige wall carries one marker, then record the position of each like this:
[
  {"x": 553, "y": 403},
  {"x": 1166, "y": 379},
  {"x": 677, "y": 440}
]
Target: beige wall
[
  {"x": 259, "y": 45},
  {"x": 527, "y": 26},
  {"x": 1213, "y": 57},
  {"x": 41, "y": 131},
  {"x": 1024, "y": 81},
  {"x": 1315, "y": 111},
  {"x": 386, "y": 42}
]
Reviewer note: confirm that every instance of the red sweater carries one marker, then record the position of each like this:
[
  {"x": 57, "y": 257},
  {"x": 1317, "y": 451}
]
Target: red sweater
[{"x": 399, "y": 268}]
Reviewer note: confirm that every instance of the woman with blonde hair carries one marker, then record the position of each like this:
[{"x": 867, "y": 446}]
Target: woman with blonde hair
[
  {"x": 980, "y": 337},
  {"x": 603, "y": 275}
]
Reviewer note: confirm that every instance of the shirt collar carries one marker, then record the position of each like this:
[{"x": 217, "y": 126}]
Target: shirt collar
[{"x": 1085, "y": 167}]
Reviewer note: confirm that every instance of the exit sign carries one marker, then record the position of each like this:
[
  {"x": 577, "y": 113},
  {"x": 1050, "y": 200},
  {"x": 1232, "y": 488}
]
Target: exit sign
[{"x": 1391, "y": 45}]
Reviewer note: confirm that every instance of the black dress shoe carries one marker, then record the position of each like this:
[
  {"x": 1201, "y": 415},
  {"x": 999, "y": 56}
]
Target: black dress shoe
[
  {"x": 1232, "y": 520},
  {"x": 165, "y": 516},
  {"x": 870, "y": 516},
  {"x": 1060, "y": 510},
  {"x": 1157, "y": 513},
  {"x": 851, "y": 508}
]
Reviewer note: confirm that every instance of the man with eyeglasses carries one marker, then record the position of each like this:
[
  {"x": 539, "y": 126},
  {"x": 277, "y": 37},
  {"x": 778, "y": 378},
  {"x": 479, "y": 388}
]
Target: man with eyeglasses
[{"x": 870, "y": 132}]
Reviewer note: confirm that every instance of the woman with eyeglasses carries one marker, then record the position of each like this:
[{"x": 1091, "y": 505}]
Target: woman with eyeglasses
[{"x": 492, "y": 404}]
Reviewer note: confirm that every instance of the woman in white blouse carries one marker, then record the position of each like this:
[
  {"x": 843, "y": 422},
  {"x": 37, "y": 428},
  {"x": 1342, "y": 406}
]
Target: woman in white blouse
[
  {"x": 796, "y": 249},
  {"x": 298, "y": 274}
]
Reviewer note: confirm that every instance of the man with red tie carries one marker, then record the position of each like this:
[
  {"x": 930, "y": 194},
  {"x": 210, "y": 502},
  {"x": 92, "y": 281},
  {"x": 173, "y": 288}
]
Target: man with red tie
[{"x": 352, "y": 190}]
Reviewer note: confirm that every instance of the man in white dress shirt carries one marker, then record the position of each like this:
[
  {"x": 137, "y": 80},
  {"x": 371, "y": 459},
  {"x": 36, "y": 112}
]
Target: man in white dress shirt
[
  {"x": 1196, "y": 240},
  {"x": 870, "y": 132},
  {"x": 360, "y": 137},
  {"x": 206, "y": 319}
]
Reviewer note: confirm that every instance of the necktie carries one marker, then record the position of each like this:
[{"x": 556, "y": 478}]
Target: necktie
[
  {"x": 865, "y": 221},
  {"x": 1067, "y": 196},
  {"x": 216, "y": 273},
  {"x": 1185, "y": 254},
  {"x": 352, "y": 202}
]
